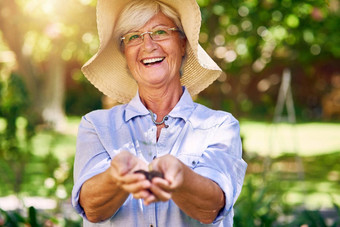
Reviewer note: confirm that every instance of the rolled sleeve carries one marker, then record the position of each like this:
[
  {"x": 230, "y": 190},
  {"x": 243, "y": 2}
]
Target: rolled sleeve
[
  {"x": 221, "y": 180},
  {"x": 222, "y": 163},
  {"x": 97, "y": 169},
  {"x": 91, "y": 159},
  {"x": 230, "y": 183}
]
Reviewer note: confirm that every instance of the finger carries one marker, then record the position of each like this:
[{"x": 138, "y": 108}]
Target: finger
[
  {"x": 175, "y": 176},
  {"x": 160, "y": 194},
  {"x": 130, "y": 178},
  {"x": 121, "y": 168},
  {"x": 124, "y": 162},
  {"x": 150, "y": 199},
  {"x": 136, "y": 187},
  {"x": 170, "y": 177},
  {"x": 161, "y": 183},
  {"x": 130, "y": 163},
  {"x": 143, "y": 194}
]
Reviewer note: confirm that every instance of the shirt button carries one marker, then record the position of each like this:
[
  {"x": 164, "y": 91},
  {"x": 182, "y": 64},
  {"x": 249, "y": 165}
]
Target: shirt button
[{"x": 193, "y": 163}]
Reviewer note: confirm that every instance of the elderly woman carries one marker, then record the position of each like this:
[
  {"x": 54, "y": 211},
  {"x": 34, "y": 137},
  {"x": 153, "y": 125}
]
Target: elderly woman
[{"x": 150, "y": 60}]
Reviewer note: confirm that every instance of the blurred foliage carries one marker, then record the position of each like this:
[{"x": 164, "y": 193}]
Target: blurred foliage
[
  {"x": 257, "y": 206},
  {"x": 34, "y": 218},
  {"x": 261, "y": 204},
  {"x": 261, "y": 32},
  {"x": 49, "y": 52},
  {"x": 64, "y": 28},
  {"x": 81, "y": 96},
  {"x": 314, "y": 218},
  {"x": 16, "y": 132},
  {"x": 26, "y": 168},
  {"x": 254, "y": 41}
]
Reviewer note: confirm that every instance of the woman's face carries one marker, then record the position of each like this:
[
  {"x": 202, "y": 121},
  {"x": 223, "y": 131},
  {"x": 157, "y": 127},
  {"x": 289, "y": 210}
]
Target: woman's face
[{"x": 156, "y": 63}]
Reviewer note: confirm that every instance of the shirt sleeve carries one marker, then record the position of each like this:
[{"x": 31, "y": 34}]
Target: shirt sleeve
[
  {"x": 222, "y": 163},
  {"x": 91, "y": 159}
]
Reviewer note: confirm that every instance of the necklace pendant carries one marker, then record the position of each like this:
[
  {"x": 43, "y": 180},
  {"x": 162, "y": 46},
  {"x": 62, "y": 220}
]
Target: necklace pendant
[{"x": 165, "y": 118}]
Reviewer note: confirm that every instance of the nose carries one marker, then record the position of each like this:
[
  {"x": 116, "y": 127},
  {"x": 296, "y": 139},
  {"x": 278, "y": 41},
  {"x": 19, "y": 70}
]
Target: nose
[
  {"x": 146, "y": 33},
  {"x": 148, "y": 42}
]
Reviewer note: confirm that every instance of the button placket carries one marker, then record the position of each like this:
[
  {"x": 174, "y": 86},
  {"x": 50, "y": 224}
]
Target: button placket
[
  {"x": 152, "y": 214},
  {"x": 164, "y": 137},
  {"x": 151, "y": 137}
]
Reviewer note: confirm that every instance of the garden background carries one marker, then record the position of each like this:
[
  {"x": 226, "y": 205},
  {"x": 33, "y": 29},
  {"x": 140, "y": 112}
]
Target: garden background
[{"x": 289, "y": 124}]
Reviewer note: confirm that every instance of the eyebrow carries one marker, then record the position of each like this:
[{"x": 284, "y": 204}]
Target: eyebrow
[
  {"x": 158, "y": 25},
  {"x": 161, "y": 25}
]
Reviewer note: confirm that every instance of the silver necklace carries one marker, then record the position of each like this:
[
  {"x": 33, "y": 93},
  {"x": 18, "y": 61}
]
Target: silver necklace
[{"x": 166, "y": 117}]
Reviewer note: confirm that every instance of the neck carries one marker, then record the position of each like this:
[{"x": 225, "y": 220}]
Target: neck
[{"x": 160, "y": 101}]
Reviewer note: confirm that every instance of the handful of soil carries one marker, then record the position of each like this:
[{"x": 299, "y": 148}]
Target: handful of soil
[{"x": 151, "y": 174}]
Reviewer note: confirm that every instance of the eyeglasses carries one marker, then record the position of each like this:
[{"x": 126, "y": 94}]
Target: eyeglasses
[{"x": 135, "y": 38}]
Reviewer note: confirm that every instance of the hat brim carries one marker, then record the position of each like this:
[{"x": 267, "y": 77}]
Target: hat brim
[{"x": 107, "y": 69}]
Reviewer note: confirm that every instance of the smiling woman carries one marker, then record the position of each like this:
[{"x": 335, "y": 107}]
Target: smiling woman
[
  {"x": 159, "y": 145},
  {"x": 155, "y": 63}
]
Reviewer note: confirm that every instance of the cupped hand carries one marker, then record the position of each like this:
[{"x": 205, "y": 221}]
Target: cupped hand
[
  {"x": 123, "y": 167},
  {"x": 173, "y": 170}
]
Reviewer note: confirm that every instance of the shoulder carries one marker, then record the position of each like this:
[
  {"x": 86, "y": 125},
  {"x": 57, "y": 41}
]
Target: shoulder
[
  {"x": 204, "y": 117},
  {"x": 106, "y": 117}
]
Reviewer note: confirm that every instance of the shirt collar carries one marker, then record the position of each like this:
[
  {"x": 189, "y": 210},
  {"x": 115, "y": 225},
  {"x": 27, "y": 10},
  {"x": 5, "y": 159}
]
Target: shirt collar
[
  {"x": 135, "y": 108},
  {"x": 183, "y": 108}
]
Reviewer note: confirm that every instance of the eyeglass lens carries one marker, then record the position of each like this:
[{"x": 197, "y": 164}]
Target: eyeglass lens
[{"x": 135, "y": 38}]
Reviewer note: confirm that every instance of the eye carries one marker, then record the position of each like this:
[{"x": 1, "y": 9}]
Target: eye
[
  {"x": 160, "y": 32},
  {"x": 133, "y": 37}
]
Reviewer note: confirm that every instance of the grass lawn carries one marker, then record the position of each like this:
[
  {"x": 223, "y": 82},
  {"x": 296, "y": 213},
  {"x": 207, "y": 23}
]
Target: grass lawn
[
  {"x": 304, "y": 139},
  {"x": 304, "y": 160}
]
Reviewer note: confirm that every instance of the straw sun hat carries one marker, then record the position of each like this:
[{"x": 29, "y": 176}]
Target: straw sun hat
[{"x": 107, "y": 69}]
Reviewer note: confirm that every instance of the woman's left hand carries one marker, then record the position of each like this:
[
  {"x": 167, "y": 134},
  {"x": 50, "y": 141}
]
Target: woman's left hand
[{"x": 173, "y": 170}]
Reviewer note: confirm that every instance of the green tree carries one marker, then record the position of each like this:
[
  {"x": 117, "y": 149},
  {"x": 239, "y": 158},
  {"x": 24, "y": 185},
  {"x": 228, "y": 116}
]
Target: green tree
[
  {"x": 253, "y": 41},
  {"x": 47, "y": 37},
  {"x": 16, "y": 135}
]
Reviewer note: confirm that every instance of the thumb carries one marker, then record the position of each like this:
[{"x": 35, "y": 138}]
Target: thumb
[
  {"x": 124, "y": 162},
  {"x": 170, "y": 176}
]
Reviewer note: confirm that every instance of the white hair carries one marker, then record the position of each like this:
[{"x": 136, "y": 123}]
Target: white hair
[{"x": 138, "y": 12}]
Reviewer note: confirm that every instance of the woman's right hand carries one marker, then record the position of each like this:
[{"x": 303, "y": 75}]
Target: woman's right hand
[{"x": 123, "y": 167}]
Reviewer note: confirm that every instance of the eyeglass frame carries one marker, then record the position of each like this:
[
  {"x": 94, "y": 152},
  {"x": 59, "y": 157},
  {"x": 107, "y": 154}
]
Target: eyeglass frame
[{"x": 122, "y": 38}]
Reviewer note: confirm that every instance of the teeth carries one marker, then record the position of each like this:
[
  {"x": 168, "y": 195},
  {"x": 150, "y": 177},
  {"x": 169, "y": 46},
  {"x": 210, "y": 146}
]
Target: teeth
[{"x": 152, "y": 60}]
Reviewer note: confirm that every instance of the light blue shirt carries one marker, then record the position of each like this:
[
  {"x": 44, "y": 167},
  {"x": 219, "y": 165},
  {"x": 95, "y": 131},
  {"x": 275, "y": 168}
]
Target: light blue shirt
[{"x": 206, "y": 140}]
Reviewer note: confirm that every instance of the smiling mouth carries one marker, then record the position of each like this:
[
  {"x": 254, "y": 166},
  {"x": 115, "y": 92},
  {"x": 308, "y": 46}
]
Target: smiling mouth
[{"x": 152, "y": 61}]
